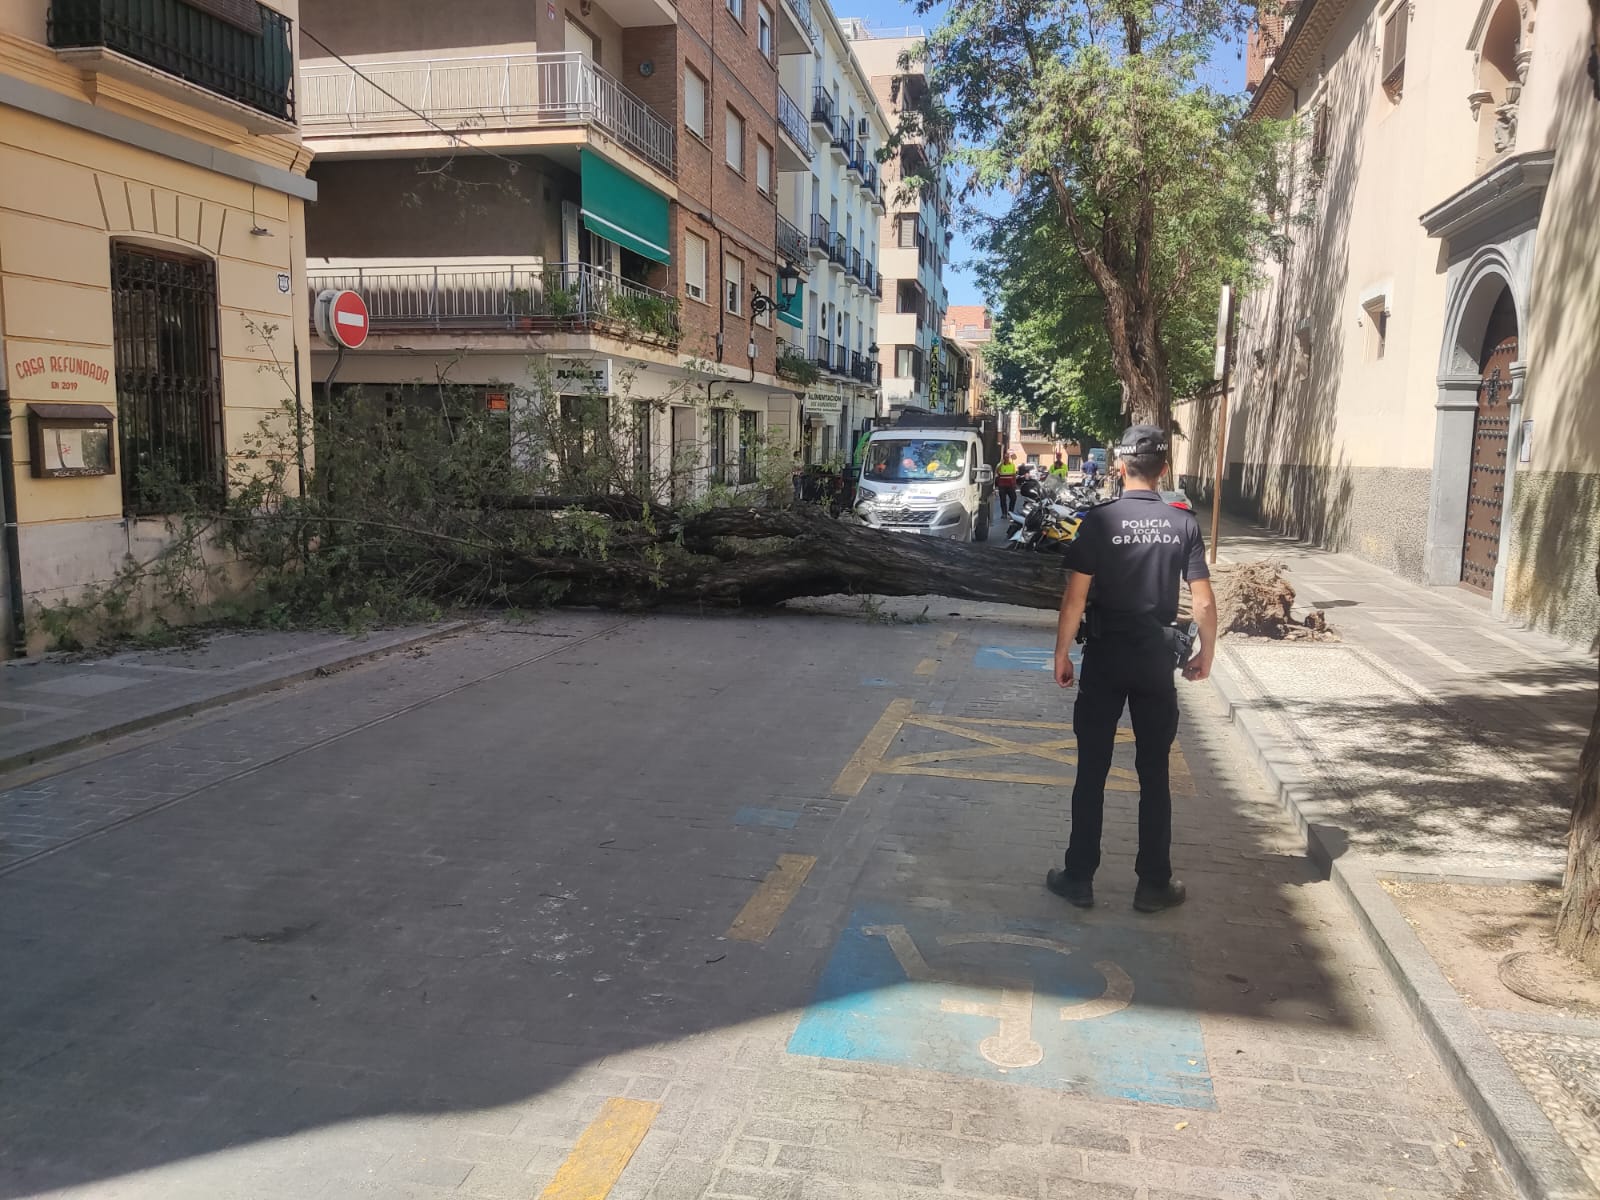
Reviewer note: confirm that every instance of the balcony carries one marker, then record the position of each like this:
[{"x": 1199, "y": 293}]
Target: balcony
[
  {"x": 822, "y": 110},
  {"x": 854, "y": 266},
  {"x": 248, "y": 63},
  {"x": 841, "y": 361},
  {"x": 822, "y": 353},
  {"x": 821, "y": 235},
  {"x": 509, "y": 298},
  {"x": 855, "y": 157},
  {"x": 871, "y": 185},
  {"x": 797, "y": 33},
  {"x": 795, "y": 148},
  {"x": 839, "y": 251},
  {"x": 791, "y": 243},
  {"x": 494, "y": 92}
]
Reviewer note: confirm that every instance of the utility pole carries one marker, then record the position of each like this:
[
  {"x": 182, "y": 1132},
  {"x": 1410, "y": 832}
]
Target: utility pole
[{"x": 1227, "y": 322}]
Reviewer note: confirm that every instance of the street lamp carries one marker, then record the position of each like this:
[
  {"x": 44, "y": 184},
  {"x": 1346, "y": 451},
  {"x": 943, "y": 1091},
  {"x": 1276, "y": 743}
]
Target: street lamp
[{"x": 788, "y": 287}]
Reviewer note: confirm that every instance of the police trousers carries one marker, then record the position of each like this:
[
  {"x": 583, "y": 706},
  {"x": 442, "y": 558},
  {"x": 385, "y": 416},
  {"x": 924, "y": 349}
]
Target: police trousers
[{"x": 1135, "y": 670}]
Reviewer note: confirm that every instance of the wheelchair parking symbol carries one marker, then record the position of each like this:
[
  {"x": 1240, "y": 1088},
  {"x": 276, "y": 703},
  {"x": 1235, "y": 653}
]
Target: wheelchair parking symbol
[{"x": 1075, "y": 1014}]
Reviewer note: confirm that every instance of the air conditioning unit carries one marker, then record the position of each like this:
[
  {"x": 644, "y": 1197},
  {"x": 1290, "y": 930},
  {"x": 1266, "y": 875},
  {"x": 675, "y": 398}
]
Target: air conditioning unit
[{"x": 864, "y": 127}]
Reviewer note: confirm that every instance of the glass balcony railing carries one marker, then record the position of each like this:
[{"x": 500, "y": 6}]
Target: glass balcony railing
[
  {"x": 559, "y": 88},
  {"x": 250, "y": 61}
]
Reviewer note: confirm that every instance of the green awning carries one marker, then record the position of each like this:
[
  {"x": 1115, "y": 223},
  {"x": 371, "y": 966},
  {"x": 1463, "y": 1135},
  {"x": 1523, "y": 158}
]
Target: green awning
[
  {"x": 619, "y": 208},
  {"x": 794, "y": 312}
]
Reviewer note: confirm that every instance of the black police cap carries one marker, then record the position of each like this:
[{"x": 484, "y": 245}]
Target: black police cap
[{"x": 1142, "y": 439}]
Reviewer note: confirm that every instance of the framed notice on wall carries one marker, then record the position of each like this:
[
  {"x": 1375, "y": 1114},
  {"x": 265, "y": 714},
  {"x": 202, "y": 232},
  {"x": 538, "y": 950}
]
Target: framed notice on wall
[{"x": 67, "y": 441}]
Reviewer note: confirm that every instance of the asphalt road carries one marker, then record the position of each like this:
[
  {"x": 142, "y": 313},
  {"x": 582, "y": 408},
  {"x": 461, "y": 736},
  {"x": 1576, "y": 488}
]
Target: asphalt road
[{"x": 682, "y": 906}]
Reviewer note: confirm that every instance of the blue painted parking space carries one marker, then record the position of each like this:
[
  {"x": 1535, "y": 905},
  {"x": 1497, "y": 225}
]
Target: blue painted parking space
[
  {"x": 1021, "y": 658},
  {"x": 1098, "y": 1011}
]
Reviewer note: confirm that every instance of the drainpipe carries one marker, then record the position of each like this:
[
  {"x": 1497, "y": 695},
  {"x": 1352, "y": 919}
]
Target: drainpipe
[{"x": 8, "y": 502}]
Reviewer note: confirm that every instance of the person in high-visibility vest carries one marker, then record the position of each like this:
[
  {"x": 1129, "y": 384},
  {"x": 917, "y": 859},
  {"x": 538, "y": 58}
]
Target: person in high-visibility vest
[
  {"x": 1058, "y": 472},
  {"x": 1005, "y": 484}
]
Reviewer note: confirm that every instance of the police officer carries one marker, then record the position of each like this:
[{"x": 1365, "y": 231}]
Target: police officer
[{"x": 1126, "y": 562}]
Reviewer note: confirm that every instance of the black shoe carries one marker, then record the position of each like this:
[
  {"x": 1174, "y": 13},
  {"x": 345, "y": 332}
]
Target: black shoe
[
  {"x": 1150, "y": 898},
  {"x": 1077, "y": 892}
]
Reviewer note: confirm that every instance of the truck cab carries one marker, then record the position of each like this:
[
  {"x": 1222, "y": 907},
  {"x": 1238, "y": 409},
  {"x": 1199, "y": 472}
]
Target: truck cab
[{"x": 931, "y": 481}]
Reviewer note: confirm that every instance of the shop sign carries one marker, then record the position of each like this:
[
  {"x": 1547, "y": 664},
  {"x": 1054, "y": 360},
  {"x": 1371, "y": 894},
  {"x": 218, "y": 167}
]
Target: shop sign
[
  {"x": 581, "y": 376},
  {"x": 60, "y": 372},
  {"x": 822, "y": 405}
]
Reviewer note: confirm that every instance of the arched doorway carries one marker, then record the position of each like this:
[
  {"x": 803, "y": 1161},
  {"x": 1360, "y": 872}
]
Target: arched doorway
[{"x": 1491, "y": 433}]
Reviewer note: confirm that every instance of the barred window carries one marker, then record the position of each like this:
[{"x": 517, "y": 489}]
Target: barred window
[{"x": 169, "y": 396}]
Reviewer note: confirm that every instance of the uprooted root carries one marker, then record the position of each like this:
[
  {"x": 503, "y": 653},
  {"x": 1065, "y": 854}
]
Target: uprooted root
[{"x": 1255, "y": 600}]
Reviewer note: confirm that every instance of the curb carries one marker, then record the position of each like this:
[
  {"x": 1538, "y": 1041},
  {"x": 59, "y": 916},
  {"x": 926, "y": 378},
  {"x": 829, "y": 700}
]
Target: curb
[
  {"x": 1539, "y": 1162},
  {"x": 95, "y": 737}
]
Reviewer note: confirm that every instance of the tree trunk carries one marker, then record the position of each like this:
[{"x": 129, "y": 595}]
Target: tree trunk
[
  {"x": 1578, "y": 925},
  {"x": 725, "y": 558}
]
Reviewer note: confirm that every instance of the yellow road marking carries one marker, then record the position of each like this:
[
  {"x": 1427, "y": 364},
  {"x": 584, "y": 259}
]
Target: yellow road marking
[
  {"x": 927, "y": 666},
  {"x": 761, "y": 914},
  {"x": 1113, "y": 784},
  {"x": 948, "y": 639},
  {"x": 871, "y": 751},
  {"x": 603, "y": 1151}
]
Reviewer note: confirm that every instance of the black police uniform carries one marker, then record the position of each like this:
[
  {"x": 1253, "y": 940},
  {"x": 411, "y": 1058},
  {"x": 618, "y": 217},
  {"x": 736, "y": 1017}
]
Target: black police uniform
[{"x": 1136, "y": 547}]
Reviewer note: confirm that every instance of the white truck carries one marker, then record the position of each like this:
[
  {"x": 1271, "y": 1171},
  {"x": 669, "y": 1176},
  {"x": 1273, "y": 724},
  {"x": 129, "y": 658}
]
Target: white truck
[{"x": 929, "y": 480}]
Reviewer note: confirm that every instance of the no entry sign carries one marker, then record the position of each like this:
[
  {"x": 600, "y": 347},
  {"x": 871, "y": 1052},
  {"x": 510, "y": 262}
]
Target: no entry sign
[{"x": 342, "y": 319}]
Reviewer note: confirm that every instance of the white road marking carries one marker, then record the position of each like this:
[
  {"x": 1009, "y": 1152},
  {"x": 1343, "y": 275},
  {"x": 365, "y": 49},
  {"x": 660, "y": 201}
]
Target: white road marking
[{"x": 1429, "y": 651}]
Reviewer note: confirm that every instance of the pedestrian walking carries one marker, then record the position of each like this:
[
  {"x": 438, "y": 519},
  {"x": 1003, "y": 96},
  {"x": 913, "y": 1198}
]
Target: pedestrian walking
[
  {"x": 1091, "y": 474},
  {"x": 1005, "y": 484},
  {"x": 1122, "y": 599}
]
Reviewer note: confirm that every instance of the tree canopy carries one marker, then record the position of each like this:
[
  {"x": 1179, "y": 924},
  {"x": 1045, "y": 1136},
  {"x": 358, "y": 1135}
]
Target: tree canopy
[{"x": 1138, "y": 189}]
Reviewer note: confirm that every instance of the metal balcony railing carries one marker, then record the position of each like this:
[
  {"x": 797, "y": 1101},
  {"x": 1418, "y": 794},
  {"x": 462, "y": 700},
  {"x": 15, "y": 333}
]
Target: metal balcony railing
[
  {"x": 839, "y": 250},
  {"x": 793, "y": 122},
  {"x": 508, "y": 298},
  {"x": 561, "y": 88},
  {"x": 821, "y": 234},
  {"x": 855, "y": 264},
  {"x": 791, "y": 242},
  {"x": 841, "y": 360},
  {"x": 822, "y": 108},
  {"x": 250, "y": 61},
  {"x": 822, "y": 352},
  {"x": 855, "y": 155},
  {"x": 869, "y": 183}
]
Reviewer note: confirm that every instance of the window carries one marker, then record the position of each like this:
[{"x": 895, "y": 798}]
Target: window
[
  {"x": 736, "y": 7},
  {"x": 169, "y": 405},
  {"x": 1377, "y": 323},
  {"x": 1321, "y": 135},
  {"x": 584, "y": 427},
  {"x": 694, "y": 103},
  {"x": 749, "y": 435},
  {"x": 764, "y": 286},
  {"x": 694, "y": 265},
  {"x": 764, "y": 29},
  {"x": 718, "y": 458},
  {"x": 906, "y": 231},
  {"x": 735, "y": 142},
  {"x": 733, "y": 281},
  {"x": 1394, "y": 48},
  {"x": 643, "y": 414},
  {"x": 763, "y": 167},
  {"x": 904, "y": 361}
]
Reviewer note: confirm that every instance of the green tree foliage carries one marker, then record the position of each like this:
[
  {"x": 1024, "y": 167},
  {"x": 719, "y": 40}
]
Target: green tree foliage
[{"x": 1143, "y": 188}]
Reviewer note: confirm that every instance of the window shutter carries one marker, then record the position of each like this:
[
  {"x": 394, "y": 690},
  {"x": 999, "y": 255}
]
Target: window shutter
[
  {"x": 1394, "y": 43},
  {"x": 245, "y": 14}
]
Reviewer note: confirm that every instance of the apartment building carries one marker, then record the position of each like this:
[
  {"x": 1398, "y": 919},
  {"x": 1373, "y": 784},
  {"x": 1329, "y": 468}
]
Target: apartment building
[
  {"x": 152, "y": 299},
  {"x": 830, "y": 201},
  {"x": 1415, "y": 377},
  {"x": 916, "y": 232},
  {"x": 967, "y": 330},
  {"x": 559, "y": 197}
]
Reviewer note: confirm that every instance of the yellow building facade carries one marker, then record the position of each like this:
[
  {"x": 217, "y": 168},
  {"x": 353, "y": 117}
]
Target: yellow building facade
[{"x": 152, "y": 272}]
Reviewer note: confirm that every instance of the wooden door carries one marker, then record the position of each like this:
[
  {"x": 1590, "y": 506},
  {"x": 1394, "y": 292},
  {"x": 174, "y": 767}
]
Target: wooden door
[{"x": 1491, "y": 430}]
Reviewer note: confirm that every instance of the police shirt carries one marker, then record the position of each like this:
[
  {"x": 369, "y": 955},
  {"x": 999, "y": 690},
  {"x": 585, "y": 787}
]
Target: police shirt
[{"x": 1137, "y": 548}]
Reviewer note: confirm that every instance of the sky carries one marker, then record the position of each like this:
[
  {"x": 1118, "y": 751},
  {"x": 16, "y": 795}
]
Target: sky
[{"x": 1226, "y": 72}]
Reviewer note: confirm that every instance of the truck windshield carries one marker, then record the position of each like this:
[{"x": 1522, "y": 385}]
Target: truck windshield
[{"x": 907, "y": 460}]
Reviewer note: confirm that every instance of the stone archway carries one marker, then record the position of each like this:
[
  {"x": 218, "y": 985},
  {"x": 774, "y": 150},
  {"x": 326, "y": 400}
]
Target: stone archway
[{"x": 1479, "y": 407}]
